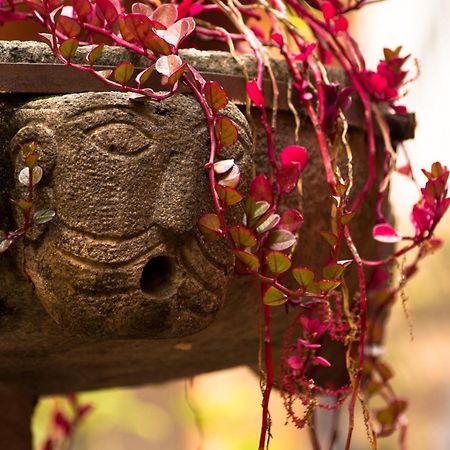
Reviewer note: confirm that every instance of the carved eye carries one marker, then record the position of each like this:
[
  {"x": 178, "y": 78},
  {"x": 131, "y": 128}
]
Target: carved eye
[{"x": 120, "y": 138}]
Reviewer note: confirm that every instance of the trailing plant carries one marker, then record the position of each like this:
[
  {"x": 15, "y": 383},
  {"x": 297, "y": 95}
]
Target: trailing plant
[
  {"x": 263, "y": 243},
  {"x": 29, "y": 176}
]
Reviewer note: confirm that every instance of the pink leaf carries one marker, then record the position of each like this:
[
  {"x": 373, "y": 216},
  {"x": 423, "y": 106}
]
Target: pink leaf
[
  {"x": 167, "y": 65},
  {"x": 178, "y": 31},
  {"x": 384, "y": 232},
  {"x": 278, "y": 39},
  {"x": 294, "y": 154},
  {"x": 421, "y": 219},
  {"x": 255, "y": 94},
  {"x": 321, "y": 361},
  {"x": 294, "y": 362},
  {"x": 166, "y": 14}
]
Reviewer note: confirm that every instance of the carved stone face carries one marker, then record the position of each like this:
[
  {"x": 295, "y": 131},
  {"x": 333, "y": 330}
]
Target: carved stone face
[{"x": 123, "y": 257}]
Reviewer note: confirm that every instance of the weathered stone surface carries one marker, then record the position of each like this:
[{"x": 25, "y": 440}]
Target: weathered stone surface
[{"x": 123, "y": 259}]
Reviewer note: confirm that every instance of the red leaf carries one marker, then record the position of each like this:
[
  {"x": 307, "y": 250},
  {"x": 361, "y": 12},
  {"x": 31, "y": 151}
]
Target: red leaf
[
  {"x": 108, "y": 10},
  {"x": 341, "y": 24},
  {"x": 255, "y": 94},
  {"x": 288, "y": 177},
  {"x": 82, "y": 7},
  {"x": 261, "y": 189},
  {"x": 291, "y": 220},
  {"x": 215, "y": 95},
  {"x": 139, "y": 25},
  {"x": 278, "y": 39},
  {"x": 328, "y": 10},
  {"x": 384, "y": 232},
  {"x": 68, "y": 26},
  {"x": 62, "y": 423},
  {"x": 48, "y": 444},
  {"x": 157, "y": 45},
  {"x": 226, "y": 131}
]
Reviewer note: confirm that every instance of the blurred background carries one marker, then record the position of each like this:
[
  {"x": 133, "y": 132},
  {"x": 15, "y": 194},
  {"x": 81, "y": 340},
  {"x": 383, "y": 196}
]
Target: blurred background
[{"x": 228, "y": 403}]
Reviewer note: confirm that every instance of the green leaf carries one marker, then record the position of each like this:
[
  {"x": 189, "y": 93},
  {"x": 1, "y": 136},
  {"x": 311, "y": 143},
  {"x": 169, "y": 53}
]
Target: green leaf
[
  {"x": 143, "y": 76},
  {"x": 249, "y": 259},
  {"x": 389, "y": 415},
  {"x": 372, "y": 387},
  {"x": 328, "y": 285},
  {"x": 385, "y": 371},
  {"x": 329, "y": 237},
  {"x": 68, "y": 48},
  {"x": 280, "y": 240},
  {"x": 215, "y": 96},
  {"x": 274, "y": 297},
  {"x": 255, "y": 210},
  {"x": 94, "y": 54},
  {"x": 228, "y": 195},
  {"x": 278, "y": 262},
  {"x": 226, "y": 131},
  {"x": 22, "y": 204},
  {"x": 209, "y": 225},
  {"x": 123, "y": 72},
  {"x": 333, "y": 270},
  {"x": 31, "y": 159},
  {"x": 242, "y": 237},
  {"x": 345, "y": 219},
  {"x": 303, "y": 275},
  {"x": 43, "y": 216}
]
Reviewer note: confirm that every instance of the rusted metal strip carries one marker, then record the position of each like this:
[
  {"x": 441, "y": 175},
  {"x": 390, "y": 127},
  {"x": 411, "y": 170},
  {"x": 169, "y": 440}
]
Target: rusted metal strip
[{"x": 48, "y": 79}]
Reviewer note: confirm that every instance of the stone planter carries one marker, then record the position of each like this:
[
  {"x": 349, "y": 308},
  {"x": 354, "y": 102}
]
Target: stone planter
[{"x": 125, "y": 289}]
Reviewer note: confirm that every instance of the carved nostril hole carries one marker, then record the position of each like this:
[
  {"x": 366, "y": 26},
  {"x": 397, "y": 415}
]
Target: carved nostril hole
[{"x": 159, "y": 277}]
